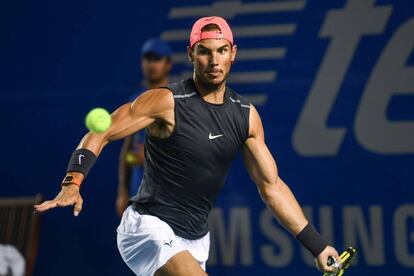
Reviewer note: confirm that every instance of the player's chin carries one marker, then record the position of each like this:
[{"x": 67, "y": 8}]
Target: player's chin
[{"x": 215, "y": 80}]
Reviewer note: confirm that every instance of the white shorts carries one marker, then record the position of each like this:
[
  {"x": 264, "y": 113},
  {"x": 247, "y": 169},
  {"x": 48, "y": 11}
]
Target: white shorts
[{"x": 146, "y": 243}]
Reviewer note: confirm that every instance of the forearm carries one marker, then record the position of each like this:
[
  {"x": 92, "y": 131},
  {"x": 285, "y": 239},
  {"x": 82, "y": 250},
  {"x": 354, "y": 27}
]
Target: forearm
[
  {"x": 94, "y": 142},
  {"x": 281, "y": 201},
  {"x": 91, "y": 145}
]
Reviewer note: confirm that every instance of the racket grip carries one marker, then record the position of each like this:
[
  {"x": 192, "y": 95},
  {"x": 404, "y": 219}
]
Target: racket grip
[{"x": 331, "y": 260}]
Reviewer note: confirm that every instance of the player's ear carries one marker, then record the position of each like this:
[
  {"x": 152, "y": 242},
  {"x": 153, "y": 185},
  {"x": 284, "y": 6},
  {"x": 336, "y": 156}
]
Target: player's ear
[
  {"x": 233, "y": 53},
  {"x": 190, "y": 54}
]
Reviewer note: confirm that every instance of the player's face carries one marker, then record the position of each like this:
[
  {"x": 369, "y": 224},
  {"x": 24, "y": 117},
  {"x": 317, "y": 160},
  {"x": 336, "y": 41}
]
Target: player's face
[
  {"x": 212, "y": 59},
  {"x": 155, "y": 68}
]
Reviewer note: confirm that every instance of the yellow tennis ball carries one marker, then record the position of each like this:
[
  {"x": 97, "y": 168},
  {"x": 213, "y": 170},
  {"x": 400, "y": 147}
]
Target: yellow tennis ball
[
  {"x": 130, "y": 158},
  {"x": 98, "y": 120}
]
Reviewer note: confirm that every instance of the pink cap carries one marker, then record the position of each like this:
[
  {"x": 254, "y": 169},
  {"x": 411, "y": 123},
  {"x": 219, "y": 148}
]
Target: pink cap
[{"x": 224, "y": 33}]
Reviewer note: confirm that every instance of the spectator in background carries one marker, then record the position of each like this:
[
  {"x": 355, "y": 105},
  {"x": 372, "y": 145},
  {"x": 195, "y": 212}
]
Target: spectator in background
[{"x": 156, "y": 65}]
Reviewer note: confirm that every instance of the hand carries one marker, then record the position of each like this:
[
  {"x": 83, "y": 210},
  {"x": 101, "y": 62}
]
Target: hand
[
  {"x": 322, "y": 260},
  {"x": 69, "y": 195},
  {"x": 121, "y": 203}
]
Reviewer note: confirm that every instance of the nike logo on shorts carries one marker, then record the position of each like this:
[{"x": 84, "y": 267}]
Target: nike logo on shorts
[
  {"x": 211, "y": 137},
  {"x": 168, "y": 243}
]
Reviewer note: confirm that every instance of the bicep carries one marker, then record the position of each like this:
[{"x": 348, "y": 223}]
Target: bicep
[
  {"x": 125, "y": 122},
  {"x": 143, "y": 111},
  {"x": 258, "y": 160}
]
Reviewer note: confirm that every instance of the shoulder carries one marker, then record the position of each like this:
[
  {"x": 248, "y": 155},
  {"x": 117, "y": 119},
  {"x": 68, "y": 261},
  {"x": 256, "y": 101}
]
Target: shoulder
[
  {"x": 255, "y": 123},
  {"x": 182, "y": 89},
  {"x": 153, "y": 101},
  {"x": 238, "y": 99}
]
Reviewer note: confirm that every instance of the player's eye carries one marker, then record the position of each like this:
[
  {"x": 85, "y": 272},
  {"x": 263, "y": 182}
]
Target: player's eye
[
  {"x": 222, "y": 50},
  {"x": 202, "y": 52}
]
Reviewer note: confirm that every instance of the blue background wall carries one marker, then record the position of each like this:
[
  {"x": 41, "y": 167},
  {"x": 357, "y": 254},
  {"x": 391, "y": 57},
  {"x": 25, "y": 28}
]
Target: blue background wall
[{"x": 60, "y": 59}]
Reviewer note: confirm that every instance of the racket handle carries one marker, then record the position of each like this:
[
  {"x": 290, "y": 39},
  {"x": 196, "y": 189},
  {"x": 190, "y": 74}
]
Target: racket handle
[{"x": 331, "y": 260}]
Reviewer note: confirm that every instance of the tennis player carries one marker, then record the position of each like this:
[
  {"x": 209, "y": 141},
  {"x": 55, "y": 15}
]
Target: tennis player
[{"x": 194, "y": 128}]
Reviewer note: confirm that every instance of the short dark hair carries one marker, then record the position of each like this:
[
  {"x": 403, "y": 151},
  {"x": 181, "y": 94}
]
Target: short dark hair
[{"x": 210, "y": 27}]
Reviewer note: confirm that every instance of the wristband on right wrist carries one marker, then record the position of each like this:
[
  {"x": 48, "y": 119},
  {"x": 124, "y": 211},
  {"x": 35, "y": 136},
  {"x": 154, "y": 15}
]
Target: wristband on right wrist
[
  {"x": 81, "y": 161},
  {"x": 71, "y": 179},
  {"x": 311, "y": 240}
]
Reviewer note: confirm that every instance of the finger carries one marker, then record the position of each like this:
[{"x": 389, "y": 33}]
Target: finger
[
  {"x": 335, "y": 255},
  {"x": 64, "y": 203},
  {"x": 77, "y": 207},
  {"x": 47, "y": 205},
  {"x": 326, "y": 268},
  {"x": 37, "y": 206},
  {"x": 333, "y": 267},
  {"x": 42, "y": 204}
]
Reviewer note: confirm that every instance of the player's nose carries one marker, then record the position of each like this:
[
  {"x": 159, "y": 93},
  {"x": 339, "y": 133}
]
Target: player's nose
[{"x": 213, "y": 59}]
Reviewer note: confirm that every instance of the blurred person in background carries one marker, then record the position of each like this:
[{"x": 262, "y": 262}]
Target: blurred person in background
[{"x": 156, "y": 65}]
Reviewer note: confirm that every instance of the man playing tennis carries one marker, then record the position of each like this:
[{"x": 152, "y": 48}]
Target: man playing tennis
[{"x": 194, "y": 128}]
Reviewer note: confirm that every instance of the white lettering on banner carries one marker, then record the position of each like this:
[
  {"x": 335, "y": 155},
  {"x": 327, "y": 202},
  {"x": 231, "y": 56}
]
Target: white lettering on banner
[
  {"x": 273, "y": 232},
  {"x": 356, "y": 231},
  {"x": 401, "y": 220},
  {"x": 391, "y": 76},
  {"x": 233, "y": 246},
  {"x": 345, "y": 27},
  {"x": 237, "y": 238}
]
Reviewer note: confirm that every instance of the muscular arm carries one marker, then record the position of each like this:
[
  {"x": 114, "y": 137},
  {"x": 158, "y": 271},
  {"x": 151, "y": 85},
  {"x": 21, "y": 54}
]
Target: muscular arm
[
  {"x": 157, "y": 104},
  {"x": 273, "y": 190},
  {"x": 263, "y": 171},
  {"x": 149, "y": 107}
]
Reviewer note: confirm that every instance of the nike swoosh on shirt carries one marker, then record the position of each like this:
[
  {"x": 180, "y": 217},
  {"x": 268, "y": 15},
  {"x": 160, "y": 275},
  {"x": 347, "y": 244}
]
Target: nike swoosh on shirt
[{"x": 214, "y": 136}]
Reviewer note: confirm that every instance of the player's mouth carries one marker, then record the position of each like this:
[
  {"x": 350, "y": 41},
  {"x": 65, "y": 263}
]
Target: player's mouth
[{"x": 214, "y": 73}]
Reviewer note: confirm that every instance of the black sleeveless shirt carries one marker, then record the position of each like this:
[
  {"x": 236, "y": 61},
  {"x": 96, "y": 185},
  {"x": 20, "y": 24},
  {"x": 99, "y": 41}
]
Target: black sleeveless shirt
[{"x": 184, "y": 173}]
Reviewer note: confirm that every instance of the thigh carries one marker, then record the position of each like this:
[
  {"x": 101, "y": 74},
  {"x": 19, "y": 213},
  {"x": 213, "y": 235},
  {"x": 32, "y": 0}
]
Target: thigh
[
  {"x": 181, "y": 264},
  {"x": 145, "y": 242},
  {"x": 199, "y": 249}
]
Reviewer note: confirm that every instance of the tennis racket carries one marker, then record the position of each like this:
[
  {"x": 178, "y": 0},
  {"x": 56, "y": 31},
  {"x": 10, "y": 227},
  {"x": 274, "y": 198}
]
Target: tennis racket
[{"x": 346, "y": 258}]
